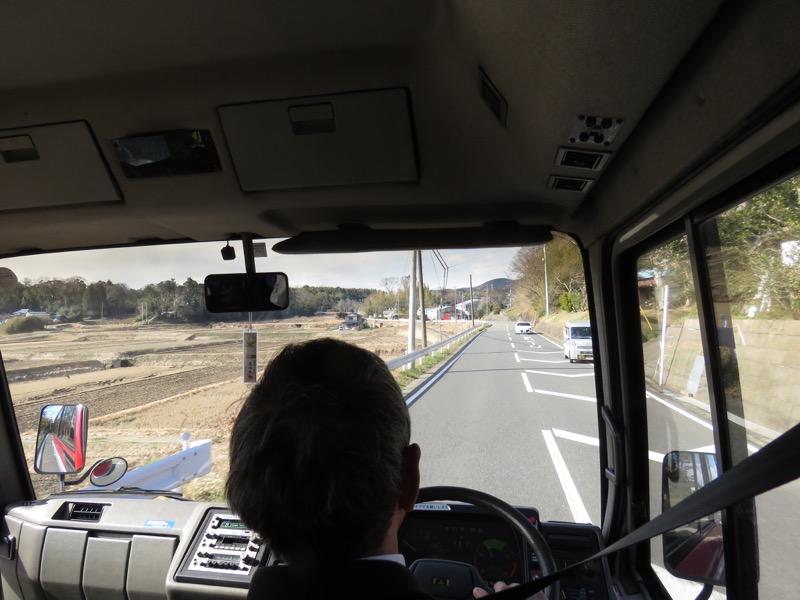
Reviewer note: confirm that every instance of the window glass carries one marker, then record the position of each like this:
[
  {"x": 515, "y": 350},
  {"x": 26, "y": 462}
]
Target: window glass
[
  {"x": 126, "y": 333},
  {"x": 678, "y": 408},
  {"x": 753, "y": 253}
]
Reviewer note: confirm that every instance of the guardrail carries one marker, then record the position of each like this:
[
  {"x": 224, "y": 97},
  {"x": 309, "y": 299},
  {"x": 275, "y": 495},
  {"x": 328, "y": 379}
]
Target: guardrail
[
  {"x": 401, "y": 362},
  {"x": 172, "y": 472}
]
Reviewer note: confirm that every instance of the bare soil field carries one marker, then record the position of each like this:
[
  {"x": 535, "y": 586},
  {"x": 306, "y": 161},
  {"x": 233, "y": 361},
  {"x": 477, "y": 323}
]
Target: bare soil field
[{"x": 146, "y": 385}]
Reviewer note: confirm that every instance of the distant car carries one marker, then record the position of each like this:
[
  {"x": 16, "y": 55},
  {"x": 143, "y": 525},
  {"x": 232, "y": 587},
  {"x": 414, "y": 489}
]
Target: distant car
[{"x": 523, "y": 327}]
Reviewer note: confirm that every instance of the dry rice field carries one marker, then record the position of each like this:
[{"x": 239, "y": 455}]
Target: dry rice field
[{"x": 145, "y": 386}]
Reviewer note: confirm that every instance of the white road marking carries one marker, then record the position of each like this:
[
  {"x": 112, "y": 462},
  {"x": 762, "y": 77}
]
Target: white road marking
[
  {"x": 562, "y": 395},
  {"x": 710, "y": 448},
  {"x": 689, "y": 416},
  {"x": 593, "y": 441},
  {"x": 750, "y": 447},
  {"x": 539, "y": 360},
  {"x": 527, "y": 383},
  {"x": 560, "y": 374},
  {"x": 681, "y": 588},
  {"x": 579, "y": 513},
  {"x": 576, "y": 437}
]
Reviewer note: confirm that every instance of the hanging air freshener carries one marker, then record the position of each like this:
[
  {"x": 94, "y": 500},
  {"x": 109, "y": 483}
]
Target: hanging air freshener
[{"x": 250, "y": 358}]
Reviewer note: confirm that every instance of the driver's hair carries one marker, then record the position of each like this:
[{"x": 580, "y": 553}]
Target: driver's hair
[{"x": 316, "y": 452}]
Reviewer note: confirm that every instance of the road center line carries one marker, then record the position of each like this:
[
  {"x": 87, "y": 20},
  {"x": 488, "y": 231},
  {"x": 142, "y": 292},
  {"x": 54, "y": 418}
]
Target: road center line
[{"x": 579, "y": 513}]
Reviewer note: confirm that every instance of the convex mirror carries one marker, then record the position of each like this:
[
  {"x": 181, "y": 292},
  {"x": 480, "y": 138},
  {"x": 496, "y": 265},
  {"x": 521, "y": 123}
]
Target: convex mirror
[
  {"x": 246, "y": 292},
  {"x": 61, "y": 440},
  {"x": 693, "y": 551},
  {"x": 108, "y": 471}
]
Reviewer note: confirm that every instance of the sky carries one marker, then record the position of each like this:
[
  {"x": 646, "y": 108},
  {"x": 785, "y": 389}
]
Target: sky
[{"x": 136, "y": 267}]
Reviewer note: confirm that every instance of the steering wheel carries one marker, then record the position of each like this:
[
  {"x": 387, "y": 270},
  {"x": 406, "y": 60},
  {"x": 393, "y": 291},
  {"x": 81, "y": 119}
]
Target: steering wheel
[{"x": 448, "y": 580}]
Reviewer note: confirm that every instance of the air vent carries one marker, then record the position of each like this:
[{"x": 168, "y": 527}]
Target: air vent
[
  {"x": 582, "y": 159},
  {"x": 86, "y": 512},
  {"x": 569, "y": 184}
]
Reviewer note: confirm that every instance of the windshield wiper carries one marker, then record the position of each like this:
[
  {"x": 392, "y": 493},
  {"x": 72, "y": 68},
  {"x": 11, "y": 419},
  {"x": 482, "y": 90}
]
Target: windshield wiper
[{"x": 126, "y": 490}]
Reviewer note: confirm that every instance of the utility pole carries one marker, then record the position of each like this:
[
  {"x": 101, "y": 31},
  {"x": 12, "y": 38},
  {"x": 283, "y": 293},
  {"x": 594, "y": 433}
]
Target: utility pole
[
  {"x": 422, "y": 301},
  {"x": 546, "y": 288},
  {"x": 412, "y": 304},
  {"x": 471, "y": 301}
]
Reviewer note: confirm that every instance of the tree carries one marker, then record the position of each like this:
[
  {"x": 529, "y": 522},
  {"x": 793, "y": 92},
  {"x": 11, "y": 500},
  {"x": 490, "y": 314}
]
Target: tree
[
  {"x": 94, "y": 299},
  {"x": 760, "y": 239},
  {"x": 191, "y": 305},
  {"x": 564, "y": 276}
]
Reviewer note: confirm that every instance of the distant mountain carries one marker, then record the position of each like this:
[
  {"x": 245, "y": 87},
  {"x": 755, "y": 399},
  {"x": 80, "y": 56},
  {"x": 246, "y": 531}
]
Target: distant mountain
[{"x": 501, "y": 284}]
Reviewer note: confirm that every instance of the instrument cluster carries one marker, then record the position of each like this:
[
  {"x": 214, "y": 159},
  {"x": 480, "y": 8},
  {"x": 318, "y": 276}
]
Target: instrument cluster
[{"x": 463, "y": 534}]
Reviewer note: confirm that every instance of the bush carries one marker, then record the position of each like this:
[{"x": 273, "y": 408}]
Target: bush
[
  {"x": 24, "y": 325},
  {"x": 570, "y": 302}
]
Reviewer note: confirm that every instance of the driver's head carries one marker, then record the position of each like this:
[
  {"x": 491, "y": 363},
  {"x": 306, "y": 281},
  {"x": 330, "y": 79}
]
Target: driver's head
[{"x": 320, "y": 459}]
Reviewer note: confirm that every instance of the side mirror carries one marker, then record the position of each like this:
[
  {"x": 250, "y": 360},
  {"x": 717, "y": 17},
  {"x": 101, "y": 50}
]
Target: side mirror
[
  {"x": 246, "y": 292},
  {"x": 61, "y": 441},
  {"x": 693, "y": 551}
]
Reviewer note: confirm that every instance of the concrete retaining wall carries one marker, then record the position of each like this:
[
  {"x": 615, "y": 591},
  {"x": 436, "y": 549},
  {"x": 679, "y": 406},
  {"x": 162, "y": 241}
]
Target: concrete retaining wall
[{"x": 769, "y": 367}]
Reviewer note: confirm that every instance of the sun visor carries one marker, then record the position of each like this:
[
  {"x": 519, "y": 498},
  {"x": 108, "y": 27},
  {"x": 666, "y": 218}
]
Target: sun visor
[
  {"x": 53, "y": 165},
  {"x": 342, "y": 139},
  {"x": 364, "y": 239}
]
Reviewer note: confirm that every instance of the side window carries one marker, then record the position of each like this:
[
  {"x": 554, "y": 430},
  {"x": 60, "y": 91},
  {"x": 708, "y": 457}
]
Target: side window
[
  {"x": 678, "y": 405},
  {"x": 751, "y": 258}
]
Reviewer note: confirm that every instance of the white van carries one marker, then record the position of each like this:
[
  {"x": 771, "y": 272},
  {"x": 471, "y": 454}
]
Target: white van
[{"x": 578, "y": 341}]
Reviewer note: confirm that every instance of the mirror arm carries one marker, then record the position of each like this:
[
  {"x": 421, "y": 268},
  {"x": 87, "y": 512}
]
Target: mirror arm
[
  {"x": 82, "y": 477},
  {"x": 705, "y": 593},
  {"x": 249, "y": 255}
]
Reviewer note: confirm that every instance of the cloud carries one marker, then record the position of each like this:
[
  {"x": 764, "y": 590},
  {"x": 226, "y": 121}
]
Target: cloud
[{"x": 136, "y": 267}]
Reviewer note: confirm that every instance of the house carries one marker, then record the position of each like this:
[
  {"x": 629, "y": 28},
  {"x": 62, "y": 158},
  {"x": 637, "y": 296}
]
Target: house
[{"x": 353, "y": 321}]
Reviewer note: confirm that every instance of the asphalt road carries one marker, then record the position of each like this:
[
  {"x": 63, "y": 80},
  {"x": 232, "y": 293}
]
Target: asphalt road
[{"x": 512, "y": 417}]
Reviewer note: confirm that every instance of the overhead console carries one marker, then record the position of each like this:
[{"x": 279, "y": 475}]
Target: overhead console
[{"x": 340, "y": 139}]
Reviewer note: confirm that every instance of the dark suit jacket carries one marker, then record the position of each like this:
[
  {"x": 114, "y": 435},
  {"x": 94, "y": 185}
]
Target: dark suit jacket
[{"x": 356, "y": 580}]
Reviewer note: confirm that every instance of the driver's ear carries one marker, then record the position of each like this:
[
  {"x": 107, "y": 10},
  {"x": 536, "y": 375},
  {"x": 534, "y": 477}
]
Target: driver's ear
[{"x": 408, "y": 497}]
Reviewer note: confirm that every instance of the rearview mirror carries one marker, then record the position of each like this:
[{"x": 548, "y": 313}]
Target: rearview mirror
[
  {"x": 693, "y": 551},
  {"x": 61, "y": 441},
  {"x": 246, "y": 292}
]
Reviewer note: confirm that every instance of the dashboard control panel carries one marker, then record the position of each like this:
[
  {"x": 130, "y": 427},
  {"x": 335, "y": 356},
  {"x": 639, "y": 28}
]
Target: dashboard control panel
[{"x": 224, "y": 552}]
